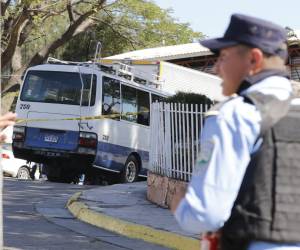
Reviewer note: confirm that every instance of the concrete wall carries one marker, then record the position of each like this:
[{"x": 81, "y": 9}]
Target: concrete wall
[{"x": 161, "y": 189}]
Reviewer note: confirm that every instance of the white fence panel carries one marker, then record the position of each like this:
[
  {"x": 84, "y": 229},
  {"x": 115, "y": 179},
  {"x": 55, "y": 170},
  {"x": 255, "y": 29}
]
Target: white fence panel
[{"x": 174, "y": 132}]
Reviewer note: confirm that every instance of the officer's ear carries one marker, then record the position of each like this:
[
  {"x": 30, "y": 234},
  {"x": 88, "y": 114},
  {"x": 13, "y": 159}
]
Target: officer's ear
[{"x": 256, "y": 59}]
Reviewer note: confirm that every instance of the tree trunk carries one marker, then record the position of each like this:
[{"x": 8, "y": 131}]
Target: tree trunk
[
  {"x": 14, "y": 38},
  {"x": 10, "y": 94},
  {"x": 16, "y": 62},
  {"x": 8, "y": 102},
  {"x": 15, "y": 79}
]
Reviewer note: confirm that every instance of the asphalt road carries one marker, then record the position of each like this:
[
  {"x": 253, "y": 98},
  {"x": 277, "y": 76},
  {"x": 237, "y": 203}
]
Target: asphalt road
[{"x": 35, "y": 218}]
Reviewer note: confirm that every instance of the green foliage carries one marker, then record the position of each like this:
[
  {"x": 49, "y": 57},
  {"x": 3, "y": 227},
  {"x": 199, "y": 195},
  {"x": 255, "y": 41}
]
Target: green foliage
[
  {"x": 190, "y": 98},
  {"x": 129, "y": 25},
  {"x": 43, "y": 33},
  {"x": 48, "y": 20},
  {"x": 32, "y": 30}
]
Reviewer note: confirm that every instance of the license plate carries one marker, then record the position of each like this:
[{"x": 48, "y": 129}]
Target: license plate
[
  {"x": 47, "y": 153},
  {"x": 51, "y": 138}
]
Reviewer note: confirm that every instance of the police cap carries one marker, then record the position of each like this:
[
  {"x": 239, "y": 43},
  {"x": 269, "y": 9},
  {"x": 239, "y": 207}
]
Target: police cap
[{"x": 251, "y": 31}]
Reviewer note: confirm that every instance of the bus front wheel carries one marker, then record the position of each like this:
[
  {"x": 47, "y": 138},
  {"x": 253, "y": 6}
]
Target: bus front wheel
[{"x": 130, "y": 171}]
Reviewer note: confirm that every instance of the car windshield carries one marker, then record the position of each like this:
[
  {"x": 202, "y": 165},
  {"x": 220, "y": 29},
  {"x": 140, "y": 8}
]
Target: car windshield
[{"x": 58, "y": 87}]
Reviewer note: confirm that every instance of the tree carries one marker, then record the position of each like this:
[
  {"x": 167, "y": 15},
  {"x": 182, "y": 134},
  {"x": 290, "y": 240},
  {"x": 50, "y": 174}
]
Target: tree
[
  {"x": 34, "y": 29},
  {"x": 129, "y": 25},
  {"x": 55, "y": 21},
  {"x": 189, "y": 98},
  {"x": 48, "y": 23}
]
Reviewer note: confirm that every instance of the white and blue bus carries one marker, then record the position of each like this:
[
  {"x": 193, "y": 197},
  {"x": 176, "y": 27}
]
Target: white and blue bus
[{"x": 56, "y": 91}]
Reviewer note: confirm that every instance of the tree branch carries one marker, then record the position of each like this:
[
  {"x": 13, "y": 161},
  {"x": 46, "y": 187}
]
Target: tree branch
[
  {"x": 25, "y": 32},
  {"x": 78, "y": 26},
  {"x": 45, "y": 7},
  {"x": 14, "y": 37},
  {"x": 119, "y": 24},
  {"x": 7, "y": 26},
  {"x": 127, "y": 38},
  {"x": 70, "y": 11},
  {"x": 4, "y": 6}
]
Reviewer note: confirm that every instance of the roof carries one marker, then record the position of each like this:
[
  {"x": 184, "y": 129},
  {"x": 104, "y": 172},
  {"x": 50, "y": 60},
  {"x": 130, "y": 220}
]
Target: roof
[
  {"x": 179, "y": 51},
  {"x": 165, "y": 53}
]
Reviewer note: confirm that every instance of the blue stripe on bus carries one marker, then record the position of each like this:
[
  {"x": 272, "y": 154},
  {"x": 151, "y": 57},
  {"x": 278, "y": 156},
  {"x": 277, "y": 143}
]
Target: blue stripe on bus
[
  {"x": 113, "y": 157},
  {"x": 110, "y": 156}
]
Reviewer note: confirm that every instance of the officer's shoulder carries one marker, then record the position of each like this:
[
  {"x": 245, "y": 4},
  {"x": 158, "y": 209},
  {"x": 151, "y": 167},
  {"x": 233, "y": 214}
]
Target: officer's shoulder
[{"x": 223, "y": 106}]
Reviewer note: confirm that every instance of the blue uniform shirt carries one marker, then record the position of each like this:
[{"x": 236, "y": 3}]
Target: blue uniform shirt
[{"x": 227, "y": 142}]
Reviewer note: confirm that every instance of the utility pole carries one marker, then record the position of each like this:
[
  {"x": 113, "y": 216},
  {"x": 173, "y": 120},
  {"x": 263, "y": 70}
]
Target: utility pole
[{"x": 1, "y": 172}]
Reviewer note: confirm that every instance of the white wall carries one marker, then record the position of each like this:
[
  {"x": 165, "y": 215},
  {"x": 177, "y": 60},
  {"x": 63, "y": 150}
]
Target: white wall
[{"x": 179, "y": 78}]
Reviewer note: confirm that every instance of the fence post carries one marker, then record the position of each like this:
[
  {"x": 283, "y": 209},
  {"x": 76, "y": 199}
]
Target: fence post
[
  {"x": 177, "y": 141},
  {"x": 180, "y": 167},
  {"x": 161, "y": 138},
  {"x": 192, "y": 136},
  {"x": 173, "y": 167},
  {"x": 188, "y": 142},
  {"x": 152, "y": 139},
  {"x": 168, "y": 140}
]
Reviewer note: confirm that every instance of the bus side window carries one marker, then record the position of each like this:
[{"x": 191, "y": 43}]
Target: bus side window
[
  {"x": 129, "y": 104},
  {"x": 135, "y": 105},
  {"x": 143, "y": 108},
  {"x": 86, "y": 78},
  {"x": 111, "y": 97}
]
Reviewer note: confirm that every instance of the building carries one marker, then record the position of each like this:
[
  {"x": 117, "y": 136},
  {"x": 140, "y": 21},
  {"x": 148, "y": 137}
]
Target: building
[{"x": 195, "y": 56}]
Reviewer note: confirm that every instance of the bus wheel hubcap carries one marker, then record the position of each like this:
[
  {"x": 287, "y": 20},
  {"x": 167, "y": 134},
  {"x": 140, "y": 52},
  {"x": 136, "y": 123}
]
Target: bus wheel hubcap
[{"x": 131, "y": 171}]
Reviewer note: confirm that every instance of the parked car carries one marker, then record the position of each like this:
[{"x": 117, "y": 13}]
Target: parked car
[{"x": 12, "y": 166}]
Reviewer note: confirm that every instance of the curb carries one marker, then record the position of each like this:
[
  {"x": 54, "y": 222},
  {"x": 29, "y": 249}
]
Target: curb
[{"x": 129, "y": 229}]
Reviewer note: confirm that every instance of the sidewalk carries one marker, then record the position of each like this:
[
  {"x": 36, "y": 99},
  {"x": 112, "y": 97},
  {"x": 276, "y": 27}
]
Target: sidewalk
[{"x": 124, "y": 209}]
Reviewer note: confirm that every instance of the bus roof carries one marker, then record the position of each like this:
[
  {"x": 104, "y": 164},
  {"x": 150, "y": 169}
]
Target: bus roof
[{"x": 87, "y": 68}]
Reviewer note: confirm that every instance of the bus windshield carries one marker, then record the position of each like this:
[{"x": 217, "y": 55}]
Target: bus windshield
[{"x": 58, "y": 87}]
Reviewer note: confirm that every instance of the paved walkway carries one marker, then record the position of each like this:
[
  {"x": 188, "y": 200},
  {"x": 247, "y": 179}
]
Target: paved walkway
[{"x": 124, "y": 209}]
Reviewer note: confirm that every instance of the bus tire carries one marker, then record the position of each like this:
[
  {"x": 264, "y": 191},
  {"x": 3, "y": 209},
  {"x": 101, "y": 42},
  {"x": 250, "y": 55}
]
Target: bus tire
[{"x": 130, "y": 171}]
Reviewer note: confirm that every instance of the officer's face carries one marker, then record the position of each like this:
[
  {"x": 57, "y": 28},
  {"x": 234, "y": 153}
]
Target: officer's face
[{"x": 233, "y": 65}]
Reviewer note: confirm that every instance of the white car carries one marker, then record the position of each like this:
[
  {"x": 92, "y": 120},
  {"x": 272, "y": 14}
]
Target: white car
[{"x": 12, "y": 166}]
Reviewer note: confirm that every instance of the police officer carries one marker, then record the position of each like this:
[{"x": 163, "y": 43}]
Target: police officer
[{"x": 245, "y": 180}]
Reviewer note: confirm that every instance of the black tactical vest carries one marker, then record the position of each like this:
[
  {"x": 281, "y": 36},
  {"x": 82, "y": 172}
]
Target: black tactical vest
[{"x": 267, "y": 207}]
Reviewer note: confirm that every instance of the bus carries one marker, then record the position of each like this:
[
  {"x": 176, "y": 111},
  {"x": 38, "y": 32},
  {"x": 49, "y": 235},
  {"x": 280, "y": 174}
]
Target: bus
[{"x": 74, "y": 117}]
